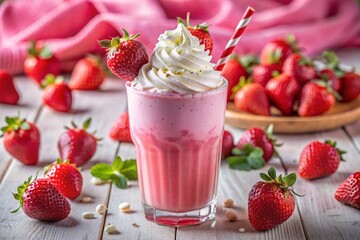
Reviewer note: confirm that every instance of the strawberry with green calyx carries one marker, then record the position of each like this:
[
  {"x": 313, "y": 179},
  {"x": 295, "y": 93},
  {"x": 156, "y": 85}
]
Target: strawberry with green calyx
[
  {"x": 57, "y": 95},
  {"x": 125, "y": 55},
  {"x": 77, "y": 144},
  {"x": 40, "y": 200},
  {"x": 201, "y": 31},
  {"x": 236, "y": 68},
  {"x": 327, "y": 75},
  {"x": 88, "y": 74},
  {"x": 251, "y": 97},
  {"x": 263, "y": 139},
  {"x": 316, "y": 98},
  {"x": 119, "y": 172},
  {"x": 272, "y": 202},
  {"x": 66, "y": 177},
  {"x": 350, "y": 80},
  {"x": 349, "y": 191},
  {"x": 39, "y": 62},
  {"x": 21, "y": 140},
  {"x": 300, "y": 67},
  {"x": 8, "y": 92},
  {"x": 320, "y": 159},
  {"x": 283, "y": 91},
  {"x": 278, "y": 50}
]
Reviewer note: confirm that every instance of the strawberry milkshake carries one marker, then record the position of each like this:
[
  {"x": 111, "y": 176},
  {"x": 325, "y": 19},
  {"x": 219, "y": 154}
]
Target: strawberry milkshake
[{"x": 176, "y": 110}]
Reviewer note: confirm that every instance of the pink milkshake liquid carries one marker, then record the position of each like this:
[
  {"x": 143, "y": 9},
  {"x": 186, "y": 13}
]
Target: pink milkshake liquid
[{"x": 178, "y": 141}]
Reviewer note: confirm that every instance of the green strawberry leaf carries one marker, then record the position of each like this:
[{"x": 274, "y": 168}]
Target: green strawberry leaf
[
  {"x": 265, "y": 177},
  {"x": 102, "y": 171},
  {"x": 290, "y": 179},
  {"x": 119, "y": 181},
  {"x": 130, "y": 169},
  {"x": 237, "y": 151},
  {"x": 272, "y": 173},
  {"x": 86, "y": 124},
  {"x": 241, "y": 166},
  {"x": 119, "y": 171},
  {"x": 255, "y": 162}
]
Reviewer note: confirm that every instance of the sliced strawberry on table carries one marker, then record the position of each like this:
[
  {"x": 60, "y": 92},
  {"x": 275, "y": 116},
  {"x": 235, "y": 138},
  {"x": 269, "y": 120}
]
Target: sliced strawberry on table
[
  {"x": 279, "y": 49},
  {"x": 125, "y": 55},
  {"x": 282, "y": 92},
  {"x": 252, "y": 98},
  {"x": 8, "y": 92},
  {"x": 300, "y": 67},
  {"x": 88, "y": 74},
  {"x": 315, "y": 100},
  {"x": 272, "y": 202},
  {"x": 76, "y": 144},
  {"x": 39, "y": 62},
  {"x": 120, "y": 130},
  {"x": 201, "y": 31},
  {"x": 349, "y": 191},
  {"x": 258, "y": 137},
  {"x": 66, "y": 177},
  {"x": 319, "y": 159},
  {"x": 40, "y": 200},
  {"x": 57, "y": 95},
  {"x": 21, "y": 140}
]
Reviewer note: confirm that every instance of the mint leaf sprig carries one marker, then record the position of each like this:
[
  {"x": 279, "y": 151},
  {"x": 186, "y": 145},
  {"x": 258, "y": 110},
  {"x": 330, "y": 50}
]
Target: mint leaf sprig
[
  {"x": 119, "y": 172},
  {"x": 247, "y": 158}
]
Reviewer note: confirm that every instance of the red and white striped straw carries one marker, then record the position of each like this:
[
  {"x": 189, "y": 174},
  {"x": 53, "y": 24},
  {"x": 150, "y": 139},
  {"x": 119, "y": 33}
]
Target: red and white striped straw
[{"x": 235, "y": 38}]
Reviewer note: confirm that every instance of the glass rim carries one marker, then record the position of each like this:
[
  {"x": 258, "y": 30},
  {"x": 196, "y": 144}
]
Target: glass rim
[{"x": 175, "y": 94}]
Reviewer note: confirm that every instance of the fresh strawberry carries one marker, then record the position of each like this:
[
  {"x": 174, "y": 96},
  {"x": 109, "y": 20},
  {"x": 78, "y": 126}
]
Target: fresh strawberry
[
  {"x": 278, "y": 50},
  {"x": 120, "y": 130},
  {"x": 87, "y": 74},
  {"x": 349, "y": 191},
  {"x": 300, "y": 67},
  {"x": 283, "y": 91},
  {"x": 263, "y": 73},
  {"x": 233, "y": 71},
  {"x": 330, "y": 77},
  {"x": 350, "y": 87},
  {"x": 252, "y": 98},
  {"x": 40, "y": 200},
  {"x": 57, "y": 95},
  {"x": 21, "y": 140},
  {"x": 350, "y": 81},
  {"x": 257, "y": 137},
  {"x": 201, "y": 31},
  {"x": 65, "y": 177},
  {"x": 76, "y": 144},
  {"x": 319, "y": 159},
  {"x": 125, "y": 55},
  {"x": 8, "y": 93},
  {"x": 272, "y": 202},
  {"x": 227, "y": 144},
  {"x": 40, "y": 62},
  {"x": 315, "y": 100}
]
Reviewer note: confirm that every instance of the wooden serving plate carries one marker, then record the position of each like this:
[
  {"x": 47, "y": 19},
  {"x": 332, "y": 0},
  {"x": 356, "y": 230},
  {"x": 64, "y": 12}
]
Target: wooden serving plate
[{"x": 339, "y": 115}]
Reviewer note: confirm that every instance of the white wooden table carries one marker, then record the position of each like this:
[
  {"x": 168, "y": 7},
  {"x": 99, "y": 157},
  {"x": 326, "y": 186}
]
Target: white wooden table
[{"x": 317, "y": 216}]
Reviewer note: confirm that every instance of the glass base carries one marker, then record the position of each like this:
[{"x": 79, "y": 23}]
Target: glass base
[{"x": 181, "y": 219}]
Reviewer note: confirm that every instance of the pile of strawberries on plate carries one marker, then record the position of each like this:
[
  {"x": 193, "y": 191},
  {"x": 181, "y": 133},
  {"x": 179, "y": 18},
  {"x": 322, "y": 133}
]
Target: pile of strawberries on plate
[
  {"x": 285, "y": 78},
  {"x": 271, "y": 202}
]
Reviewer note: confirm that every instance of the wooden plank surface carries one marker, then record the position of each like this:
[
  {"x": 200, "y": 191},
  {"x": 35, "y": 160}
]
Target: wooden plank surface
[
  {"x": 322, "y": 216},
  {"x": 101, "y": 106},
  {"x": 236, "y": 185},
  {"x": 29, "y": 105}
]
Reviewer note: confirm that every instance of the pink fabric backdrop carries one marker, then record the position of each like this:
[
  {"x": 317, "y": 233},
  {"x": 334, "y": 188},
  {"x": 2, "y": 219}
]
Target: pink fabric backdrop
[{"x": 72, "y": 27}]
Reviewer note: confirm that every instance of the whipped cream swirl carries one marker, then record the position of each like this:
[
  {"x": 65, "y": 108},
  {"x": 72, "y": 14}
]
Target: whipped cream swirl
[{"x": 178, "y": 64}]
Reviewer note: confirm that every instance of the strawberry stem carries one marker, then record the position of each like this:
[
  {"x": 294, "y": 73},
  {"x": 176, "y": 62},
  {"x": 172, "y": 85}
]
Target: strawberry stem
[{"x": 340, "y": 151}]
